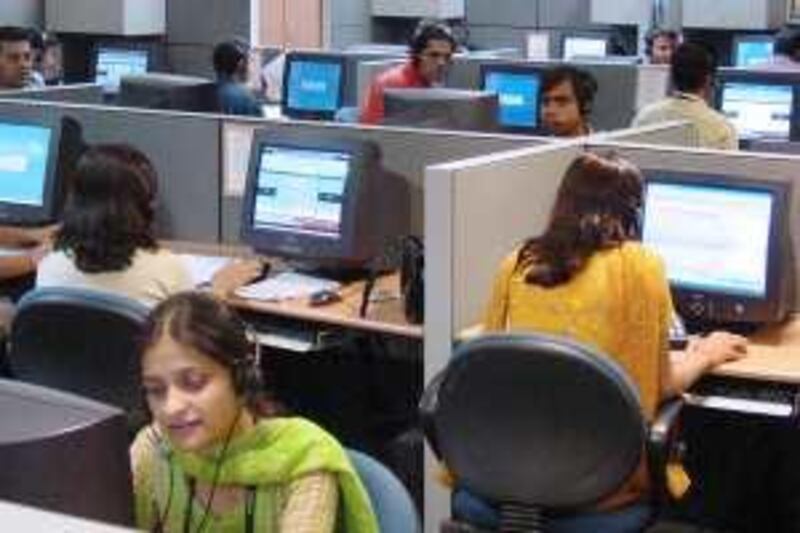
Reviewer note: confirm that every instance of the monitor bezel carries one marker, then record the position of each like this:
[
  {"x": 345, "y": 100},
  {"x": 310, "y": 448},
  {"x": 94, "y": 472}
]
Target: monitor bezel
[
  {"x": 312, "y": 114},
  {"x": 21, "y": 214},
  {"x": 605, "y": 38},
  {"x": 127, "y": 47},
  {"x": 747, "y": 38},
  {"x": 320, "y": 250},
  {"x": 761, "y": 77},
  {"x": 760, "y": 309},
  {"x": 524, "y": 69}
]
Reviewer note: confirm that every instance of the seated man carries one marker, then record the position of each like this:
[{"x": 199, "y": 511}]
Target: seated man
[
  {"x": 16, "y": 58},
  {"x": 431, "y": 50},
  {"x": 567, "y": 96},
  {"x": 692, "y": 73},
  {"x": 660, "y": 45},
  {"x": 786, "y": 53},
  {"x": 231, "y": 66}
]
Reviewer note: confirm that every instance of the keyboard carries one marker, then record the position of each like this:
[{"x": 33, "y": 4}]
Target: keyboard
[{"x": 770, "y": 399}]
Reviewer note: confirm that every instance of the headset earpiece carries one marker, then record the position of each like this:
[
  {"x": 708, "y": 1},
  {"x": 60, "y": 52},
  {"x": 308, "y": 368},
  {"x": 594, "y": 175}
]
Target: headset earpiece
[{"x": 248, "y": 379}]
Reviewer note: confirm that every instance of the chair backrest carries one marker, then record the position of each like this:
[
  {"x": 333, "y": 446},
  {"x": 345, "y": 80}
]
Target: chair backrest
[
  {"x": 390, "y": 499},
  {"x": 81, "y": 341},
  {"x": 537, "y": 420}
]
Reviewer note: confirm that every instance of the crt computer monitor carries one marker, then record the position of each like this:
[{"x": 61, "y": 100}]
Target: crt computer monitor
[
  {"x": 440, "y": 108},
  {"x": 111, "y": 64},
  {"x": 749, "y": 50},
  {"x": 313, "y": 85},
  {"x": 725, "y": 245},
  {"x": 584, "y": 46},
  {"x": 64, "y": 453},
  {"x": 29, "y": 156},
  {"x": 156, "y": 90},
  {"x": 325, "y": 203},
  {"x": 518, "y": 89},
  {"x": 761, "y": 105}
]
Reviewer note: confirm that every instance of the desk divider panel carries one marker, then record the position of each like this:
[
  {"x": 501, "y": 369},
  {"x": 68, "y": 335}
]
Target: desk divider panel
[
  {"x": 750, "y": 165},
  {"x": 184, "y": 148},
  {"x": 80, "y": 93},
  {"x": 405, "y": 151},
  {"x": 673, "y": 133}
]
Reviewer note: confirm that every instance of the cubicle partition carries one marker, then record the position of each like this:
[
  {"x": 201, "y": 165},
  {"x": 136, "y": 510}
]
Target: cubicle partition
[
  {"x": 184, "y": 148},
  {"x": 405, "y": 151},
  {"x": 79, "y": 93},
  {"x": 672, "y": 133}
]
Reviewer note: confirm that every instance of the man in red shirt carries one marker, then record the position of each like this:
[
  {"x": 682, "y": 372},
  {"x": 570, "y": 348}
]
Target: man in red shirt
[{"x": 431, "y": 50}]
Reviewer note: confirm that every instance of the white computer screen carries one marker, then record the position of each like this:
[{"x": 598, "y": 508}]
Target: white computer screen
[
  {"x": 711, "y": 238},
  {"x": 114, "y": 63},
  {"x": 24, "y": 152},
  {"x": 760, "y": 111},
  {"x": 584, "y": 46},
  {"x": 301, "y": 190}
]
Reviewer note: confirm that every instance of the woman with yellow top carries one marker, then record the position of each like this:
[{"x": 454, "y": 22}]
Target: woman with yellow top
[
  {"x": 589, "y": 278},
  {"x": 212, "y": 460}
]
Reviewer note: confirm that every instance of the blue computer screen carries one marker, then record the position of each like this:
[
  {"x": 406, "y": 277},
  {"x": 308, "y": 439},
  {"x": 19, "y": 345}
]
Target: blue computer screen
[
  {"x": 711, "y": 238},
  {"x": 753, "y": 52},
  {"x": 314, "y": 85},
  {"x": 518, "y": 96},
  {"x": 301, "y": 190},
  {"x": 114, "y": 63},
  {"x": 759, "y": 110},
  {"x": 24, "y": 152}
]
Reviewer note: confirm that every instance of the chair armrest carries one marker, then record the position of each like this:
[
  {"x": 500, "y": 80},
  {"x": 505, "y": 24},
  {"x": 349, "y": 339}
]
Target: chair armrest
[
  {"x": 428, "y": 404},
  {"x": 661, "y": 446}
]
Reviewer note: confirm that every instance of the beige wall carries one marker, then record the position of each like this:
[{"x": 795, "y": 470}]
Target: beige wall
[{"x": 290, "y": 23}]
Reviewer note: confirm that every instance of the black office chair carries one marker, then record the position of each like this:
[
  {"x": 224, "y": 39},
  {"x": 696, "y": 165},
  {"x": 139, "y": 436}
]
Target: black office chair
[
  {"x": 536, "y": 423},
  {"x": 81, "y": 341}
]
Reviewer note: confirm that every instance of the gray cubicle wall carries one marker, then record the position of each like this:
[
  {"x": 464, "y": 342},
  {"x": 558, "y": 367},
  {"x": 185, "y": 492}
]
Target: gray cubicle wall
[
  {"x": 405, "y": 151},
  {"x": 80, "y": 93},
  {"x": 184, "y": 148},
  {"x": 615, "y": 102}
]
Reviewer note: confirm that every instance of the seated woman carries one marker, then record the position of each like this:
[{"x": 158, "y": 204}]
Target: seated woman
[
  {"x": 589, "y": 278},
  {"x": 107, "y": 240},
  {"x": 213, "y": 459}
]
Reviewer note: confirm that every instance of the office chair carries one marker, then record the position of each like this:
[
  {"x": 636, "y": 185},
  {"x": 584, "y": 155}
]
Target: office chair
[
  {"x": 81, "y": 341},
  {"x": 538, "y": 422},
  {"x": 391, "y": 501}
]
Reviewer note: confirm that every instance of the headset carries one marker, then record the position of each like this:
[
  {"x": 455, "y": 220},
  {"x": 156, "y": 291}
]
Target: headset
[
  {"x": 428, "y": 30},
  {"x": 583, "y": 84},
  {"x": 248, "y": 380},
  {"x": 654, "y": 33}
]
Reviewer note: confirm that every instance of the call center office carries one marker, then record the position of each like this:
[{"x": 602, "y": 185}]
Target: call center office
[{"x": 229, "y": 175}]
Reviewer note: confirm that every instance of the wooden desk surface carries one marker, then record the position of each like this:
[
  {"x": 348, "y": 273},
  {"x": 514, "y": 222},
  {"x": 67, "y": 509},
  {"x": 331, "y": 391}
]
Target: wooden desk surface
[
  {"x": 384, "y": 313},
  {"x": 773, "y": 355}
]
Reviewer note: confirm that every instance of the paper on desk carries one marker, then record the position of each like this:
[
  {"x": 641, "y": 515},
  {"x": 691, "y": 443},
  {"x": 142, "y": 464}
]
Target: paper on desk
[
  {"x": 286, "y": 286},
  {"x": 203, "y": 267}
]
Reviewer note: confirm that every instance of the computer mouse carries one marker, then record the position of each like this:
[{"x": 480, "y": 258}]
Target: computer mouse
[{"x": 324, "y": 297}]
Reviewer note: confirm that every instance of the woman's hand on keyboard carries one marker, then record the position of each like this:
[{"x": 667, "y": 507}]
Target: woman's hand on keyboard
[
  {"x": 719, "y": 347},
  {"x": 234, "y": 275}
]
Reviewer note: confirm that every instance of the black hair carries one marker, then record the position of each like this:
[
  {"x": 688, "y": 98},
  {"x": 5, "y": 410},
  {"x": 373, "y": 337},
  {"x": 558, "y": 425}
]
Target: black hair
[
  {"x": 693, "y": 65},
  {"x": 583, "y": 84},
  {"x": 228, "y": 57},
  {"x": 206, "y": 324},
  {"x": 430, "y": 30},
  {"x": 109, "y": 209},
  {"x": 787, "y": 41},
  {"x": 655, "y": 33},
  {"x": 14, "y": 34}
]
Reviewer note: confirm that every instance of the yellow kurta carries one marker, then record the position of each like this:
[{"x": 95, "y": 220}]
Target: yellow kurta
[{"x": 618, "y": 303}]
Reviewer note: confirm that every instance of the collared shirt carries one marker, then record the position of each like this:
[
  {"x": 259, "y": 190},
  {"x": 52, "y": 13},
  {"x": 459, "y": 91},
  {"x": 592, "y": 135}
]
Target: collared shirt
[
  {"x": 712, "y": 128},
  {"x": 399, "y": 77}
]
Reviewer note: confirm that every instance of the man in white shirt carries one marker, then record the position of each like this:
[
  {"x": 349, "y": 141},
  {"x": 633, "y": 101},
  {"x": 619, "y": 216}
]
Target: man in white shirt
[{"x": 692, "y": 72}]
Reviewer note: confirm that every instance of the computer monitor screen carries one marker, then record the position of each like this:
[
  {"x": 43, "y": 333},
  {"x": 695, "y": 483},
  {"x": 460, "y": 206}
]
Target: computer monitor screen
[
  {"x": 28, "y": 174},
  {"x": 313, "y": 85},
  {"x": 721, "y": 241},
  {"x": 64, "y": 453},
  {"x": 447, "y": 109},
  {"x": 111, "y": 64},
  {"x": 749, "y": 51},
  {"x": 518, "y": 92},
  {"x": 322, "y": 202},
  {"x": 759, "y": 111},
  {"x": 584, "y": 46}
]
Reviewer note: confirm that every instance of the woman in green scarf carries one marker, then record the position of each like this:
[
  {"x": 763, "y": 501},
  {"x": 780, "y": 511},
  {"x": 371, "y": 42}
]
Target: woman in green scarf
[{"x": 212, "y": 460}]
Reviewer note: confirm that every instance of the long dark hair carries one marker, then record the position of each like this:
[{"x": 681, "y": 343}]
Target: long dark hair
[
  {"x": 597, "y": 207},
  {"x": 109, "y": 210},
  {"x": 204, "y": 323}
]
